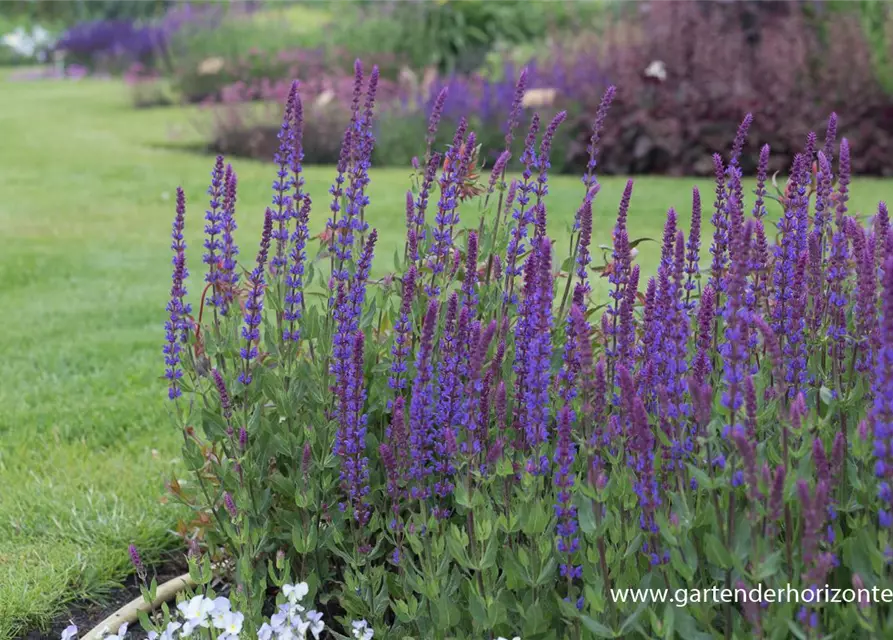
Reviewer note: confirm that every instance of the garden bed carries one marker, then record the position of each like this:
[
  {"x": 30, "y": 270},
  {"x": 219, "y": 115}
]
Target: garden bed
[{"x": 85, "y": 615}]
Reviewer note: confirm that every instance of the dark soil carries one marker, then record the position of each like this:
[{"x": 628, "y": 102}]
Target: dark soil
[{"x": 86, "y": 615}]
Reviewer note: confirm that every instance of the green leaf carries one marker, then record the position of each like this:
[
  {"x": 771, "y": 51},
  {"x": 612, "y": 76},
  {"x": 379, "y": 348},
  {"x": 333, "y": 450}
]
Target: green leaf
[
  {"x": 633, "y": 546},
  {"x": 717, "y": 552},
  {"x": 597, "y": 628}
]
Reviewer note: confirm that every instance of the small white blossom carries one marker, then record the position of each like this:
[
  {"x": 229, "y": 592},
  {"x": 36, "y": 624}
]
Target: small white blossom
[
  {"x": 196, "y": 612},
  {"x": 295, "y": 592},
  {"x": 361, "y": 630},
  {"x": 218, "y": 614},
  {"x": 232, "y": 624},
  {"x": 172, "y": 628},
  {"x": 265, "y": 632},
  {"x": 657, "y": 70},
  {"x": 69, "y": 632},
  {"x": 122, "y": 631},
  {"x": 316, "y": 623}
]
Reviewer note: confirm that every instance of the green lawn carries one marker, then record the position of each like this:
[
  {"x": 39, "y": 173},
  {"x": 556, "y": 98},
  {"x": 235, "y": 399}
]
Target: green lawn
[{"x": 86, "y": 200}]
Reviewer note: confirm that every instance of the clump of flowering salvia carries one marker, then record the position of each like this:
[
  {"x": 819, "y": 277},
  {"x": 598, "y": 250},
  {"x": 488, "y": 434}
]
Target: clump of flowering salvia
[{"x": 468, "y": 443}]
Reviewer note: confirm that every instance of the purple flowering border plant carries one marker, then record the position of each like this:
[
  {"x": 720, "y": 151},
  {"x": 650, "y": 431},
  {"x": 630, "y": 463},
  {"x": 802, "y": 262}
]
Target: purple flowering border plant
[{"x": 474, "y": 446}]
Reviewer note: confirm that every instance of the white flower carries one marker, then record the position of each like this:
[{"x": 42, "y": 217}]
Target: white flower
[
  {"x": 70, "y": 632},
  {"x": 152, "y": 635},
  {"x": 286, "y": 634},
  {"x": 277, "y": 621},
  {"x": 657, "y": 70},
  {"x": 196, "y": 611},
  {"x": 295, "y": 592},
  {"x": 233, "y": 623},
  {"x": 361, "y": 630},
  {"x": 122, "y": 631},
  {"x": 170, "y": 630},
  {"x": 265, "y": 632},
  {"x": 218, "y": 614},
  {"x": 515, "y": 638},
  {"x": 316, "y": 623},
  {"x": 301, "y": 626}
]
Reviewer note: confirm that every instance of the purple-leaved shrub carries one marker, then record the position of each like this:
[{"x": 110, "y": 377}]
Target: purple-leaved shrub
[{"x": 474, "y": 446}]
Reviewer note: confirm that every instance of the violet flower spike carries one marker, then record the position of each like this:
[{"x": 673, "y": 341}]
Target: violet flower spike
[
  {"x": 294, "y": 279},
  {"x": 254, "y": 305},
  {"x": 693, "y": 250},
  {"x": 516, "y": 108},
  {"x": 434, "y": 120},
  {"x": 759, "y": 207},
  {"x": 403, "y": 332},
  {"x": 421, "y": 409},
  {"x": 213, "y": 229},
  {"x": 228, "y": 277},
  {"x": 282, "y": 201},
  {"x": 881, "y": 414},
  {"x": 226, "y": 405},
  {"x": 590, "y": 179},
  {"x": 178, "y": 325}
]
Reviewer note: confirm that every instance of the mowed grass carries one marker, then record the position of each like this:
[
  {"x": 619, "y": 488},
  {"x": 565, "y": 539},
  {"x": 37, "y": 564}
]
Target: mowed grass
[{"x": 86, "y": 200}]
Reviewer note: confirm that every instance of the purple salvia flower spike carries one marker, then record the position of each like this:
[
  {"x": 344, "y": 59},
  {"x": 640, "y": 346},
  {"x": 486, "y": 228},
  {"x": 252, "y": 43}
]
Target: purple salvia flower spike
[
  {"x": 226, "y": 405},
  {"x": 294, "y": 278},
  {"x": 881, "y": 414},
  {"x": 213, "y": 230},
  {"x": 254, "y": 305},
  {"x": 282, "y": 201},
  {"x": 178, "y": 325},
  {"x": 693, "y": 250},
  {"x": 434, "y": 121},
  {"x": 843, "y": 182},
  {"x": 516, "y": 108},
  {"x": 830, "y": 138},
  {"x": 228, "y": 278},
  {"x": 590, "y": 179},
  {"x": 759, "y": 207}
]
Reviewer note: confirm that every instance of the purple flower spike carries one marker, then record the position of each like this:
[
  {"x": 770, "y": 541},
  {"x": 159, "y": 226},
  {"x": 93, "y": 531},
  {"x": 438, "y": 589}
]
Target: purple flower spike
[
  {"x": 881, "y": 415},
  {"x": 421, "y": 409},
  {"x": 539, "y": 351},
  {"x": 498, "y": 171},
  {"x": 136, "y": 561},
  {"x": 830, "y": 137},
  {"x": 720, "y": 223},
  {"x": 843, "y": 181},
  {"x": 693, "y": 250},
  {"x": 434, "y": 120},
  {"x": 542, "y": 188},
  {"x": 230, "y": 505},
  {"x": 178, "y": 325},
  {"x": 227, "y": 277},
  {"x": 759, "y": 207},
  {"x": 282, "y": 185},
  {"x": 213, "y": 230},
  {"x": 515, "y": 110},
  {"x": 590, "y": 179},
  {"x": 225, "y": 402},
  {"x": 254, "y": 305},
  {"x": 294, "y": 279},
  {"x": 469, "y": 284},
  {"x": 403, "y": 332},
  {"x": 701, "y": 367}
]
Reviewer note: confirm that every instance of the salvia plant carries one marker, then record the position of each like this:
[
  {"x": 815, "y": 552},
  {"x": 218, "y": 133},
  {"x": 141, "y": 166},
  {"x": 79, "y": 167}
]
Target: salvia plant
[{"x": 476, "y": 446}]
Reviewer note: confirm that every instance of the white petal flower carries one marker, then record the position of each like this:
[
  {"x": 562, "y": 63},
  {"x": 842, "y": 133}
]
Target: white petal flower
[
  {"x": 221, "y": 604},
  {"x": 152, "y": 635},
  {"x": 234, "y": 621},
  {"x": 69, "y": 632},
  {"x": 170, "y": 630},
  {"x": 295, "y": 592},
  {"x": 316, "y": 623},
  {"x": 361, "y": 630},
  {"x": 277, "y": 621},
  {"x": 265, "y": 632}
]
